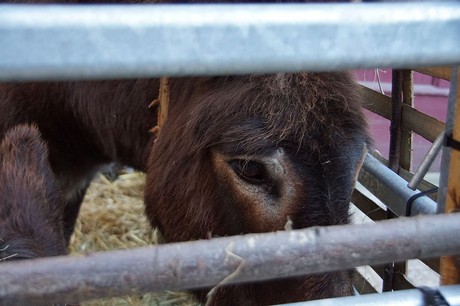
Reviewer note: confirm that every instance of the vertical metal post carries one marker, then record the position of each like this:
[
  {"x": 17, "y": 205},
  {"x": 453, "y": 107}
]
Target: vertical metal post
[
  {"x": 396, "y": 119},
  {"x": 394, "y": 156},
  {"x": 405, "y": 153},
  {"x": 445, "y": 160},
  {"x": 400, "y": 151},
  {"x": 450, "y": 175},
  {"x": 405, "y": 161}
]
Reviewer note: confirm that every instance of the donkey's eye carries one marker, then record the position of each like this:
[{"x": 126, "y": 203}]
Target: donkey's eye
[{"x": 251, "y": 171}]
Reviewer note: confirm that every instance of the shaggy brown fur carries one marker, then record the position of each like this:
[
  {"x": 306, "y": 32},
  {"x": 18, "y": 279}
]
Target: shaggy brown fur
[
  {"x": 237, "y": 155},
  {"x": 87, "y": 125},
  {"x": 31, "y": 210},
  {"x": 315, "y": 118}
]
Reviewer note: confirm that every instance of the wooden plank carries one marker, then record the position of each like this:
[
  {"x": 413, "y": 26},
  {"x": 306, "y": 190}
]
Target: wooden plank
[
  {"x": 437, "y": 72},
  {"x": 376, "y": 102},
  {"x": 433, "y": 263},
  {"x": 400, "y": 282},
  {"x": 396, "y": 119},
  {"x": 362, "y": 285},
  {"x": 421, "y": 123},
  {"x": 412, "y": 119},
  {"x": 396, "y": 151},
  {"x": 367, "y": 206},
  {"x": 405, "y": 160},
  {"x": 450, "y": 265}
]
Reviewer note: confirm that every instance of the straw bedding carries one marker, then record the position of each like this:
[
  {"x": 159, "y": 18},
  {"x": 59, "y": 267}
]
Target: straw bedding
[{"x": 112, "y": 217}]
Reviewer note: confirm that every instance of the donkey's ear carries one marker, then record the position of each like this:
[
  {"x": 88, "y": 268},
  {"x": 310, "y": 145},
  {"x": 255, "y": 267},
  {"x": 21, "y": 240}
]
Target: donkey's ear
[{"x": 359, "y": 164}]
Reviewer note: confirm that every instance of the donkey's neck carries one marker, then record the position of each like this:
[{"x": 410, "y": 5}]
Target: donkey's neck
[{"x": 117, "y": 117}]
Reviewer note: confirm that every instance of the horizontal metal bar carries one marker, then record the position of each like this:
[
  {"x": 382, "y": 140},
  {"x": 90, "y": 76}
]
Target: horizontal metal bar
[
  {"x": 406, "y": 175},
  {"x": 410, "y": 297},
  {"x": 256, "y": 256},
  {"x": 89, "y": 42},
  {"x": 392, "y": 189}
]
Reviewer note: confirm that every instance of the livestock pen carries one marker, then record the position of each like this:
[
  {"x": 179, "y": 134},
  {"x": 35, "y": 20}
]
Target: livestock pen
[{"x": 104, "y": 42}]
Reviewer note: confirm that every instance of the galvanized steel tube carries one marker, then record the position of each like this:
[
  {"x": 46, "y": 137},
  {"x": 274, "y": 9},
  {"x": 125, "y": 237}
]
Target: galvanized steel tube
[
  {"x": 411, "y": 297},
  {"x": 400, "y": 193},
  {"x": 89, "y": 42},
  {"x": 254, "y": 257}
]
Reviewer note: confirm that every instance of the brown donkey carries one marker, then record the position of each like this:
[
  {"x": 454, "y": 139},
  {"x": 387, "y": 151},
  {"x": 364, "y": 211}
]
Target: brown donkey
[
  {"x": 251, "y": 154},
  {"x": 31, "y": 210},
  {"x": 237, "y": 155}
]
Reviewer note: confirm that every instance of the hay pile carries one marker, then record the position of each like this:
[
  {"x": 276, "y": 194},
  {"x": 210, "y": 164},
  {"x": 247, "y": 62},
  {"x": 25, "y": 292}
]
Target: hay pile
[{"x": 112, "y": 217}]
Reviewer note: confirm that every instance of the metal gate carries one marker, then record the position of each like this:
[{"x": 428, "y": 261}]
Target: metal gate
[{"x": 103, "y": 42}]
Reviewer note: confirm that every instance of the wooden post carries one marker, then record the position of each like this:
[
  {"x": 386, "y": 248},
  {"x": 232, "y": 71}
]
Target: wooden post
[
  {"x": 450, "y": 265},
  {"x": 396, "y": 118},
  {"x": 394, "y": 157},
  {"x": 400, "y": 153},
  {"x": 405, "y": 160}
]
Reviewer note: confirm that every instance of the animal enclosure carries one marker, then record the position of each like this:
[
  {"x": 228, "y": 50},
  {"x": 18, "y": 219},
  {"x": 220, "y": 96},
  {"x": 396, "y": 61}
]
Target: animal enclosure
[{"x": 261, "y": 42}]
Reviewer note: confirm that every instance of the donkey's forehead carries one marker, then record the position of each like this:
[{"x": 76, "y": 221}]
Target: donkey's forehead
[
  {"x": 256, "y": 114},
  {"x": 247, "y": 136}
]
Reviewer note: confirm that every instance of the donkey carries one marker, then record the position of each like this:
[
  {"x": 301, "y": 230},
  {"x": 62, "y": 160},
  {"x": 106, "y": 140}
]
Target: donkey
[
  {"x": 249, "y": 154},
  {"x": 31, "y": 210},
  {"x": 237, "y": 154}
]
